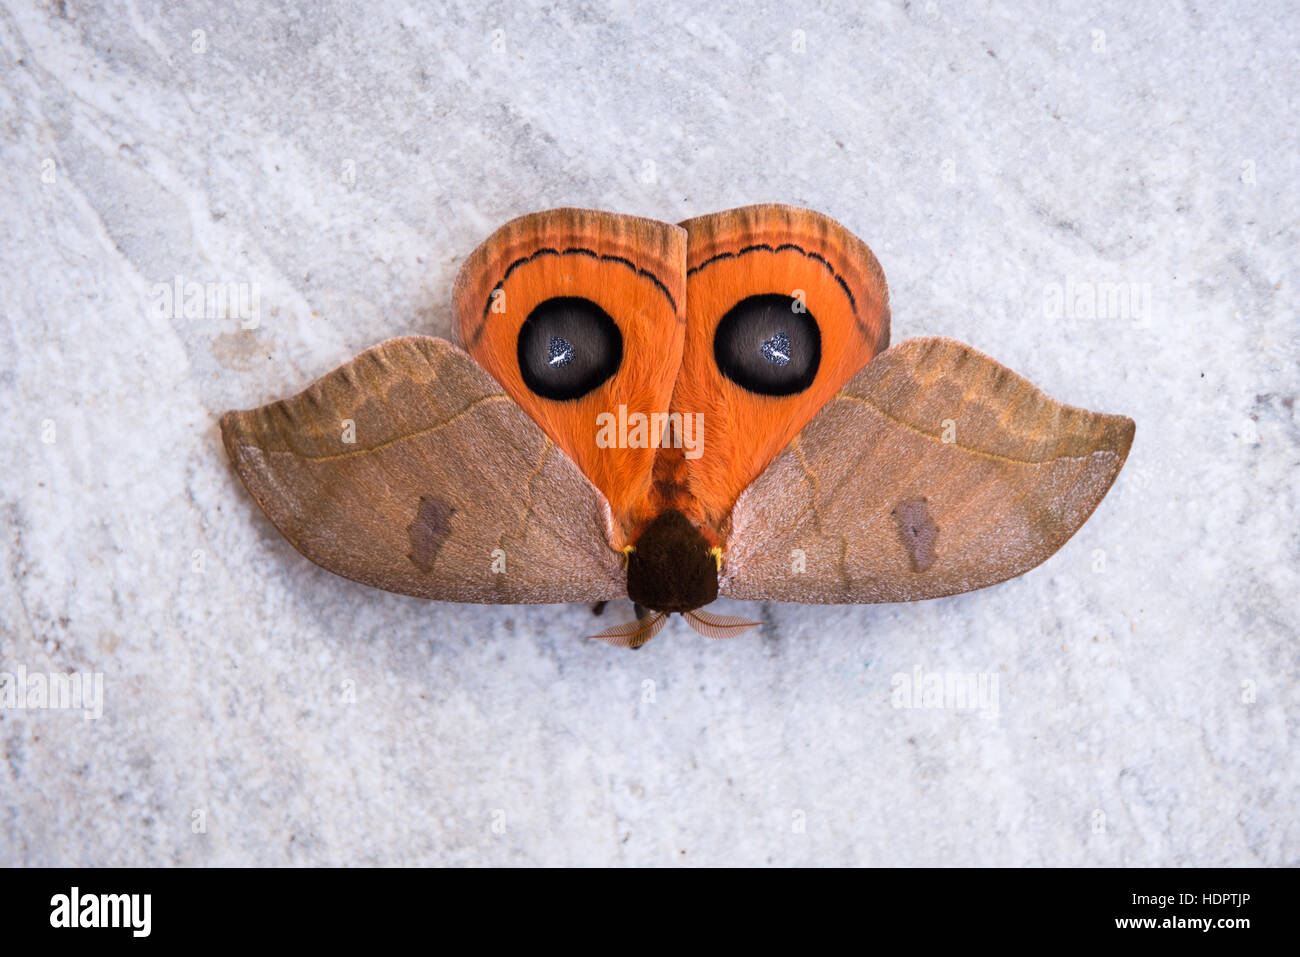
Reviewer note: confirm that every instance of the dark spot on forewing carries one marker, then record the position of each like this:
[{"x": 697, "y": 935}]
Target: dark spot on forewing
[
  {"x": 429, "y": 529},
  {"x": 918, "y": 531}
]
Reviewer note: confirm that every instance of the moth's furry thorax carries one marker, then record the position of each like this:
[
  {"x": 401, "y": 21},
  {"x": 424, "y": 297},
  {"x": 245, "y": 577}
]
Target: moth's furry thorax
[{"x": 671, "y": 567}]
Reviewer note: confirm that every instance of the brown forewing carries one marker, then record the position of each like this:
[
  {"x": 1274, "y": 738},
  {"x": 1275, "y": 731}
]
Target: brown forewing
[
  {"x": 448, "y": 490},
  {"x": 934, "y": 471}
]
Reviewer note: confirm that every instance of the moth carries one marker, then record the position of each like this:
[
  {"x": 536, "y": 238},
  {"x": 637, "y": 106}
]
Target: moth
[{"x": 669, "y": 414}]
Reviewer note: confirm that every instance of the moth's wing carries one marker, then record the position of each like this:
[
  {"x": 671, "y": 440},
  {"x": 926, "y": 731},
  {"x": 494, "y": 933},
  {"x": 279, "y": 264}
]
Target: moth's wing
[
  {"x": 769, "y": 251},
  {"x": 447, "y": 489},
  {"x": 634, "y": 270},
  {"x": 869, "y": 503}
]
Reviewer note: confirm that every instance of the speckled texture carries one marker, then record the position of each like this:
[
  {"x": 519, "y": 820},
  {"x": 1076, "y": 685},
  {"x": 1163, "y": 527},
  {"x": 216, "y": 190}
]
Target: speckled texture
[{"x": 345, "y": 157}]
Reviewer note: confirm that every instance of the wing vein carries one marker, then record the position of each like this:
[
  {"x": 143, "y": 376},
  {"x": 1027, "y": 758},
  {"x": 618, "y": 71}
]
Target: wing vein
[
  {"x": 437, "y": 426},
  {"x": 966, "y": 448}
]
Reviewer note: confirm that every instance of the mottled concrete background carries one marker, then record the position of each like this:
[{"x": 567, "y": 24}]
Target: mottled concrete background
[{"x": 341, "y": 159}]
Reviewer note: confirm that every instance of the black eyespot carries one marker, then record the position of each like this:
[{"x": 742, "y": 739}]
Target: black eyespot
[
  {"x": 764, "y": 345},
  {"x": 567, "y": 347}
]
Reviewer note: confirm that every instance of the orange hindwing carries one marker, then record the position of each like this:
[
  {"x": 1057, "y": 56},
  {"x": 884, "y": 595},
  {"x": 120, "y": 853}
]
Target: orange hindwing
[
  {"x": 783, "y": 306},
  {"x": 580, "y": 316}
]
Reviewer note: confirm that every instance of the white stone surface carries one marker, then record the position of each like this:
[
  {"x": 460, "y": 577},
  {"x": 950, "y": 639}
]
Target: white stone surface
[{"x": 985, "y": 152}]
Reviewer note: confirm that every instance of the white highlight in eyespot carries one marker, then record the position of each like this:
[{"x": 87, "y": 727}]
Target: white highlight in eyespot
[
  {"x": 559, "y": 352},
  {"x": 777, "y": 349}
]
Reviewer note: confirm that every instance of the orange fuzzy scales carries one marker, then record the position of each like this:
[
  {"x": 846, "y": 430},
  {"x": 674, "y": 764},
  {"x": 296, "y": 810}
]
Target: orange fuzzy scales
[
  {"x": 760, "y": 250},
  {"x": 632, "y": 268}
]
